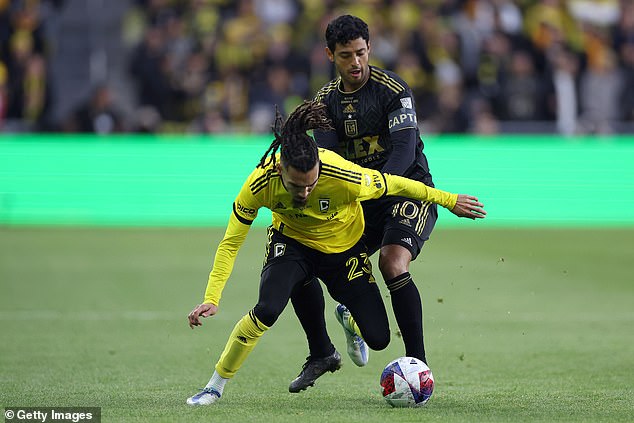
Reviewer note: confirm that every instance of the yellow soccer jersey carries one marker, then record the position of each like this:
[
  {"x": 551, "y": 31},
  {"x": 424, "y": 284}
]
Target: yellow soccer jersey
[{"x": 330, "y": 222}]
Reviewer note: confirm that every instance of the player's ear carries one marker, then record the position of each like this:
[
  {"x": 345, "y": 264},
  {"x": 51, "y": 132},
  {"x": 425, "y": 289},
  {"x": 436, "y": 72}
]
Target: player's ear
[{"x": 330, "y": 55}]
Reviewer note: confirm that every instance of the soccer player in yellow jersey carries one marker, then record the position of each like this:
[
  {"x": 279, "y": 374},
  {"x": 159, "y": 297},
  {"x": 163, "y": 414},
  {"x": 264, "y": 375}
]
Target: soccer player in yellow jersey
[{"x": 315, "y": 197}]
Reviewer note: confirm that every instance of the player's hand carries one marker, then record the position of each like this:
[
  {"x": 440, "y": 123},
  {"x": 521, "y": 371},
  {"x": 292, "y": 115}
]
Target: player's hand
[
  {"x": 201, "y": 310},
  {"x": 468, "y": 206}
]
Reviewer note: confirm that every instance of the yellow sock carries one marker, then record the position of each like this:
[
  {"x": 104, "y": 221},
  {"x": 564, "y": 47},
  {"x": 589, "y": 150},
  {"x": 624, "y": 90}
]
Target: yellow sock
[{"x": 243, "y": 338}]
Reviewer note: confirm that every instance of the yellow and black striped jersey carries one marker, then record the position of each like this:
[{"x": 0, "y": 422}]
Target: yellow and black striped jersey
[{"x": 332, "y": 219}]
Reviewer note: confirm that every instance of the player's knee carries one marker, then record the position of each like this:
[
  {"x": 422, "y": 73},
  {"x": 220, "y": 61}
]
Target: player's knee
[
  {"x": 266, "y": 313},
  {"x": 377, "y": 340},
  {"x": 392, "y": 265}
]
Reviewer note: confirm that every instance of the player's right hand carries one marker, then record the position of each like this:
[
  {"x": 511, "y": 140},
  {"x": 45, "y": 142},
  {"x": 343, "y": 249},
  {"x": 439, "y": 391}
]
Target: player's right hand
[
  {"x": 201, "y": 310},
  {"x": 468, "y": 206}
]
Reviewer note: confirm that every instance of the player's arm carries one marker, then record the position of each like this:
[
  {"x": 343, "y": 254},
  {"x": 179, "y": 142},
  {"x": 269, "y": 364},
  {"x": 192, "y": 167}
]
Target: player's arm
[
  {"x": 326, "y": 139},
  {"x": 245, "y": 209},
  {"x": 462, "y": 205},
  {"x": 225, "y": 257},
  {"x": 223, "y": 265},
  {"x": 402, "y": 125}
]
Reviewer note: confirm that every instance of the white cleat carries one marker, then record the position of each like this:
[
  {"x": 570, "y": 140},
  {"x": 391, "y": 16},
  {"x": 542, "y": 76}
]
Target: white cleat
[
  {"x": 207, "y": 396},
  {"x": 357, "y": 348}
]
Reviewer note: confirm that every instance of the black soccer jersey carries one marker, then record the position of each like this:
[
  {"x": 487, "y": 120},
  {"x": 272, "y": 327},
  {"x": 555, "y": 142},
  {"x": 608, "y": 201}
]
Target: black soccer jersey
[{"x": 376, "y": 125}]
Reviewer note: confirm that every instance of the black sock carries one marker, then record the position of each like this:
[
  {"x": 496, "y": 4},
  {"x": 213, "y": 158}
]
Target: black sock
[
  {"x": 309, "y": 305},
  {"x": 408, "y": 311}
]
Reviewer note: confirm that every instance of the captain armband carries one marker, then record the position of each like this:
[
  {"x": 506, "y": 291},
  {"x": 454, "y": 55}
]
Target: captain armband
[{"x": 404, "y": 118}]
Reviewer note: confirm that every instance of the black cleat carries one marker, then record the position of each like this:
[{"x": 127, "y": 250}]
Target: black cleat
[{"x": 313, "y": 369}]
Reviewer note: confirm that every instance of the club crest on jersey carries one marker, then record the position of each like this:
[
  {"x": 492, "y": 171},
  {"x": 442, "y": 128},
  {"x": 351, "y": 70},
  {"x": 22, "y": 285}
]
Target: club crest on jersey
[
  {"x": 324, "y": 204},
  {"x": 279, "y": 249},
  {"x": 351, "y": 127}
]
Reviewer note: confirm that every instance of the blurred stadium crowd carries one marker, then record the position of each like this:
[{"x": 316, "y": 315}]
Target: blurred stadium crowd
[{"x": 213, "y": 66}]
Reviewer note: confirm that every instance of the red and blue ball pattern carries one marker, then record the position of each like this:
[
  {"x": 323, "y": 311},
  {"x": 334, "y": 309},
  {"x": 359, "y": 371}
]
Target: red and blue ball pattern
[{"x": 407, "y": 382}]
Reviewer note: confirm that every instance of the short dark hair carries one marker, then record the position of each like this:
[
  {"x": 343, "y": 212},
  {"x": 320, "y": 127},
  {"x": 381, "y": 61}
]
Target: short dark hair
[
  {"x": 297, "y": 148},
  {"x": 344, "y": 29}
]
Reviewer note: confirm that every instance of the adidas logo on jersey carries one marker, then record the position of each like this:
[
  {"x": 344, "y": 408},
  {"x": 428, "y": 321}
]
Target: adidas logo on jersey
[
  {"x": 349, "y": 109},
  {"x": 406, "y": 222},
  {"x": 408, "y": 241}
]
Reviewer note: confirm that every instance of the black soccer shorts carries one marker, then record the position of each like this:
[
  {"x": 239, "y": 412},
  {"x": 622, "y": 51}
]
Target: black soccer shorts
[{"x": 398, "y": 220}]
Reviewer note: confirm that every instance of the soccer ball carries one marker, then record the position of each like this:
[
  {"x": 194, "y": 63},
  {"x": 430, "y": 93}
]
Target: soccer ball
[{"x": 407, "y": 382}]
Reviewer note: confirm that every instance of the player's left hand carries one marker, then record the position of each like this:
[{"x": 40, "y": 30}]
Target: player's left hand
[
  {"x": 201, "y": 310},
  {"x": 468, "y": 206}
]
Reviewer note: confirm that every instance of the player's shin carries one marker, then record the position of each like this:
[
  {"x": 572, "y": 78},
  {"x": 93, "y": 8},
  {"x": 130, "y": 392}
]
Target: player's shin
[
  {"x": 243, "y": 339},
  {"x": 308, "y": 303},
  {"x": 408, "y": 311}
]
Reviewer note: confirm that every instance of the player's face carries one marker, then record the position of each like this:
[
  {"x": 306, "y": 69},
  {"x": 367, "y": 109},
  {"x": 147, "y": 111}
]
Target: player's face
[
  {"x": 299, "y": 184},
  {"x": 351, "y": 61}
]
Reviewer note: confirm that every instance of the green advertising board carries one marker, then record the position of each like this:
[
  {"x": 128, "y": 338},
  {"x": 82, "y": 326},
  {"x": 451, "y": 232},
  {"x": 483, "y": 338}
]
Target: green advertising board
[{"x": 192, "y": 181}]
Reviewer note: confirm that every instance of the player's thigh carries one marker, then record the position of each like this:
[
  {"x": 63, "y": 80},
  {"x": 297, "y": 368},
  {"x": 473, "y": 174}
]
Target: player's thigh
[
  {"x": 348, "y": 277},
  {"x": 346, "y": 274},
  {"x": 286, "y": 267},
  {"x": 410, "y": 225}
]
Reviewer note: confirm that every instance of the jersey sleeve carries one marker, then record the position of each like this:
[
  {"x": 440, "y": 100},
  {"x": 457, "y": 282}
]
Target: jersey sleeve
[
  {"x": 398, "y": 185},
  {"x": 225, "y": 258},
  {"x": 371, "y": 184},
  {"x": 245, "y": 209},
  {"x": 375, "y": 184},
  {"x": 326, "y": 139},
  {"x": 402, "y": 125}
]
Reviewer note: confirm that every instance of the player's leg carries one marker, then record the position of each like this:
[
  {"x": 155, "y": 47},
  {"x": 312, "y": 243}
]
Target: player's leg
[
  {"x": 283, "y": 270},
  {"x": 276, "y": 284},
  {"x": 356, "y": 347},
  {"x": 309, "y": 308},
  {"x": 368, "y": 317},
  {"x": 308, "y": 303},
  {"x": 404, "y": 235},
  {"x": 348, "y": 277}
]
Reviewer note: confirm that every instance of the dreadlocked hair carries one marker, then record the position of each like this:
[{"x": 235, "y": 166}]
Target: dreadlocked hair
[{"x": 297, "y": 148}]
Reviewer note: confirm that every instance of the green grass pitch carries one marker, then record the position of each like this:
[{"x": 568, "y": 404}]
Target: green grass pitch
[{"x": 520, "y": 325}]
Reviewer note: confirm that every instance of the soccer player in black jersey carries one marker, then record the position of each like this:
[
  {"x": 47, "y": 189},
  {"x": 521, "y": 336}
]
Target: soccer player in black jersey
[{"x": 374, "y": 119}]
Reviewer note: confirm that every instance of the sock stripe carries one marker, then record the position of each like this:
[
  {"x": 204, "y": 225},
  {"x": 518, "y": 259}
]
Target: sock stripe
[
  {"x": 398, "y": 282},
  {"x": 261, "y": 326}
]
